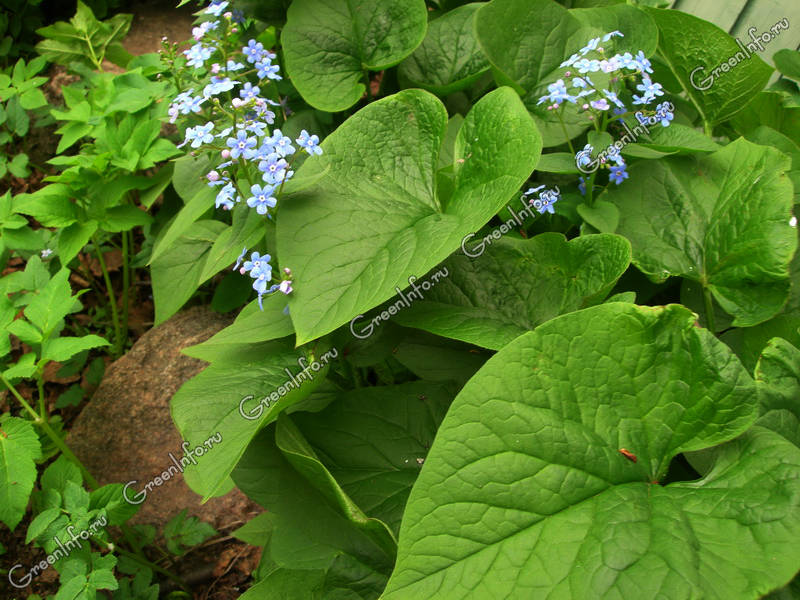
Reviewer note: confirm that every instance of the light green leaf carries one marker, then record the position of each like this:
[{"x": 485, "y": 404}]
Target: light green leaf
[
  {"x": 603, "y": 216},
  {"x": 788, "y": 63},
  {"x": 778, "y": 378},
  {"x": 328, "y": 45},
  {"x": 550, "y": 415},
  {"x": 252, "y": 326},
  {"x": 123, "y": 218},
  {"x": 52, "y": 303},
  {"x": 72, "y": 239},
  {"x": 511, "y": 286},
  {"x": 176, "y": 273},
  {"x": 19, "y": 449},
  {"x": 693, "y": 48},
  {"x": 449, "y": 59},
  {"x": 721, "y": 219},
  {"x": 235, "y": 400},
  {"x": 64, "y": 348},
  {"x": 382, "y": 169},
  {"x": 52, "y": 205}
]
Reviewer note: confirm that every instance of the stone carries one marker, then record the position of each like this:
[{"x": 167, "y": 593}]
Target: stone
[{"x": 126, "y": 432}]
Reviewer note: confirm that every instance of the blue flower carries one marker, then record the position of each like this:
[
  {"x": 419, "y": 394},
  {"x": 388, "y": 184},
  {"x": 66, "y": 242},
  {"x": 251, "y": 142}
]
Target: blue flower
[
  {"x": 642, "y": 62},
  {"x": 544, "y": 203},
  {"x": 216, "y": 8},
  {"x": 309, "y": 142},
  {"x": 614, "y": 99},
  {"x": 584, "y": 156},
  {"x": 218, "y": 85},
  {"x": 557, "y": 93},
  {"x": 234, "y": 66},
  {"x": 197, "y": 55},
  {"x": 601, "y": 104},
  {"x": 225, "y": 197},
  {"x": 532, "y": 190},
  {"x": 664, "y": 113},
  {"x": 618, "y": 174},
  {"x": 192, "y": 105},
  {"x": 261, "y": 199},
  {"x": 282, "y": 143},
  {"x": 570, "y": 61},
  {"x": 650, "y": 91},
  {"x": 275, "y": 169},
  {"x": 256, "y": 127},
  {"x": 591, "y": 45},
  {"x": 199, "y": 135},
  {"x": 249, "y": 91},
  {"x": 614, "y": 33},
  {"x": 242, "y": 145},
  {"x": 253, "y": 51},
  {"x": 240, "y": 259},
  {"x": 262, "y": 280},
  {"x": 266, "y": 70},
  {"x": 585, "y": 65},
  {"x": 257, "y": 264}
]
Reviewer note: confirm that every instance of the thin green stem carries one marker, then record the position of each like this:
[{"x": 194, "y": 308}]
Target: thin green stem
[
  {"x": 117, "y": 348},
  {"x": 126, "y": 286},
  {"x": 150, "y": 565},
  {"x": 564, "y": 129},
  {"x": 708, "y": 305},
  {"x": 42, "y": 405},
  {"x": 54, "y": 437}
]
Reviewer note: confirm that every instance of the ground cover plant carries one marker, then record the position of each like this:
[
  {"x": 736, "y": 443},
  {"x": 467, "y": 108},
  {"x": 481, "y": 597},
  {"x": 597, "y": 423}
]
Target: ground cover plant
[{"x": 516, "y": 288}]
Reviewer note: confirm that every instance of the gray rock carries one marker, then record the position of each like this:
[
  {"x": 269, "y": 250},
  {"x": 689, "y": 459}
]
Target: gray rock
[{"x": 126, "y": 433}]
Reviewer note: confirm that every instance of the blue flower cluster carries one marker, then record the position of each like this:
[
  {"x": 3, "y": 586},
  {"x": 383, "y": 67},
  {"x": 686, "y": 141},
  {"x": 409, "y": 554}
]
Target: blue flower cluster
[
  {"x": 232, "y": 117},
  {"x": 545, "y": 200}
]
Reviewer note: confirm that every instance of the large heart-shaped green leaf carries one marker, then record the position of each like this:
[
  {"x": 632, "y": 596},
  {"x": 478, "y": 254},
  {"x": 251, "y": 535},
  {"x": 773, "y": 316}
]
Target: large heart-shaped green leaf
[
  {"x": 511, "y": 285},
  {"x": 375, "y": 219},
  {"x": 530, "y": 489},
  {"x": 449, "y": 58},
  {"x": 329, "y": 45},
  {"x": 721, "y": 219},
  {"x": 694, "y": 48}
]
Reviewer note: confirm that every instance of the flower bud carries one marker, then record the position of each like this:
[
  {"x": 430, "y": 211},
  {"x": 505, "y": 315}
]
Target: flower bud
[{"x": 226, "y": 153}]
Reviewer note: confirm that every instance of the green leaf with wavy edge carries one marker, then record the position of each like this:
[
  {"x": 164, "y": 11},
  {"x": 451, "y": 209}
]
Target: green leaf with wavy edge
[
  {"x": 693, "y": 48},
  {"x": 528, "y": 466},
  {"x": 328, "y": 45},
  {"x": 506, "y": 286},
  {"x": 721, "y": 219},
  {"x": 235, "y": 398},
  {"x": 19, "y": 449},
  {"x": 382, "y": 176},
  {"x": 449, "y": 59}
]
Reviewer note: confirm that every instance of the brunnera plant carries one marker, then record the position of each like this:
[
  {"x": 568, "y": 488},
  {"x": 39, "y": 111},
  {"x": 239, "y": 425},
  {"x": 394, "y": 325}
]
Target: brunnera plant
[
  {"x": 524, "y": 322},
  {"x": 497, "y": 371}
]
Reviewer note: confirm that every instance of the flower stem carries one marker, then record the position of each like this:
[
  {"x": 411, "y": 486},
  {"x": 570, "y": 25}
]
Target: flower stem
[
  {"x": 126, "y": 284},
  {"x": 564, "y": 129},
  {"x": 117, "y": 348}
]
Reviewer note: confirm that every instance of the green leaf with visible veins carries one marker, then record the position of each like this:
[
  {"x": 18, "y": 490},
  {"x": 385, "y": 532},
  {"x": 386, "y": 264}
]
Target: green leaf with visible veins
[
  {"x": 19, "y": 449},
  {"x": 233, "y": 398},
  {"x": 515, "y": 285},
  {"x": 693, "y": 48},
  {"x": 778, "y": 379},
  {"x": 329, "y": 45},
  {"x": 375, "y": 219},
  {"x": 449, "y": 58},
  {"x": 527, "y": 493},
  {"x": 721, "y": 219}
]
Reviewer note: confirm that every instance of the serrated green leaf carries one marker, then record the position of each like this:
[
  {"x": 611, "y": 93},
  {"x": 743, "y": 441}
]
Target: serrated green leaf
[
  {"x": 19, "y": 449},
  {"x": 64, "y": 348},
  {"x": 383, "y": 164},
  {"x": 778, "y": 378},
  {"x": 329, "y": 45}
]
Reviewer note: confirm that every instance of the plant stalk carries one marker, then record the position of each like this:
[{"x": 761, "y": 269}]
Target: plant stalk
[
  {"x": 117, "y": 348},
  {"x": 709, "y": 309}
]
